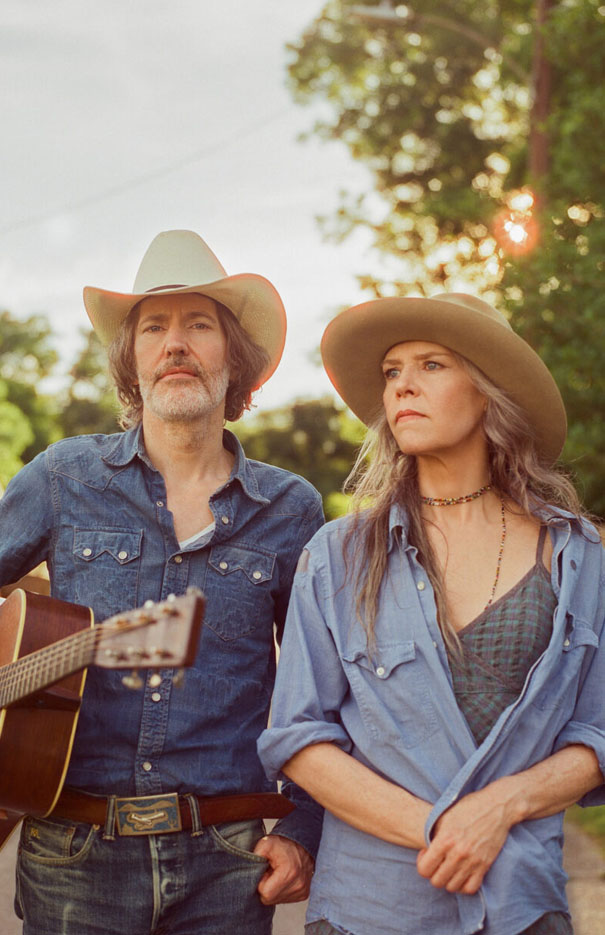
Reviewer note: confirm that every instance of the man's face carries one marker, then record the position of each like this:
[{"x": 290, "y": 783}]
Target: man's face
[{"x": 180, "y": 357}]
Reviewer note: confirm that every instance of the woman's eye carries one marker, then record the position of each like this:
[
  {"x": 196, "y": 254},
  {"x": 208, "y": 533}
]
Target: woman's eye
[
  {"x": 390, "y": 373},
  {"x": 432, "y": 365}
]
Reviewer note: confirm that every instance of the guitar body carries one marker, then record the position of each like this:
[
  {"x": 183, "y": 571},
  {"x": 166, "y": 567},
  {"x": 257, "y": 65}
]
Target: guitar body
[{"x": 36, "y": 735}]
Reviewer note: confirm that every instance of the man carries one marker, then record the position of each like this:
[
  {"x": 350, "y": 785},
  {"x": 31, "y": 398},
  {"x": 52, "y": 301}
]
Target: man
[{"x": 126, "y": 518}]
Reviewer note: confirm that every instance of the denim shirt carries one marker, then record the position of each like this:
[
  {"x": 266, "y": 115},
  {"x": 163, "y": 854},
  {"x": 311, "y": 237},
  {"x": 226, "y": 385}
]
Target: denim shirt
[
  {"x": 393, "y": 708},
  {"x": 95, "y": 509}
]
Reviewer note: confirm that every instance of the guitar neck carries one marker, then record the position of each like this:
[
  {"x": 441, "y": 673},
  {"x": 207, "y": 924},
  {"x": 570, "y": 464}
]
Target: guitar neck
[{"x": 46, "y": 666}]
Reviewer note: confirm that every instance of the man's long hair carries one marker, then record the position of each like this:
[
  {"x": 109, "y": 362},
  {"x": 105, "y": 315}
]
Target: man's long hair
[
  {"x": 383, "y": 475},
  {"x": 246, "y": 362}
]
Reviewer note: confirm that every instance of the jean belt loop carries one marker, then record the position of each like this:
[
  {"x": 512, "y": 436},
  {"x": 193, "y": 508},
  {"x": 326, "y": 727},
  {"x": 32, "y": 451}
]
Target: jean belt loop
[
  {"x": 197, "y": 829},
  {"x": 109, "y": 831}
]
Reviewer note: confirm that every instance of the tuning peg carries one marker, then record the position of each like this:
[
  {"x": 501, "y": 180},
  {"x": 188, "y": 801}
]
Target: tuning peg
[
  {"x": 133, "y": 681},
  {"x": 178, "y": 677}
]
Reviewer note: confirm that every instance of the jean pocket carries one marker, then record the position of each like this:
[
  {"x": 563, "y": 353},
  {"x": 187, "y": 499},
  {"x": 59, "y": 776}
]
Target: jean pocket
[
  {"x": 391, "y": 689},
  {"x": 59, "y": 843},
  {"x": 240, "y": 838},
  {"x": 106, "y": 564},
  {"x": 239, "y": 589}
]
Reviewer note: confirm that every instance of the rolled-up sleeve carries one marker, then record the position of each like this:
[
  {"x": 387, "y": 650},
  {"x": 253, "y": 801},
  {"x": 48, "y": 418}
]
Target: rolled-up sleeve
[{"x": 310, "y": 684}]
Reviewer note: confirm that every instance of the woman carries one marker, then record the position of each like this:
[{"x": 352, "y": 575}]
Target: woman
[{"x": 440, "y": 683}]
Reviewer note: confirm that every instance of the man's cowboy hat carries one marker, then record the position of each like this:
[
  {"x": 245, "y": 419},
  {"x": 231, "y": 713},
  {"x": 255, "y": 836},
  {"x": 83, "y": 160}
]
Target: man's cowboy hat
[
  {"x": 180, "y": 261},
  {"x": 355, "y": 342}
]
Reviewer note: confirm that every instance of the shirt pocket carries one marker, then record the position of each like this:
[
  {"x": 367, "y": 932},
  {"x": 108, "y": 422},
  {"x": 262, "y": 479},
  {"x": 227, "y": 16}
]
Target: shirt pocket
[
  {"x": 107, "y": 565},
  {"x": 391, "y": 689},
  {"x": 558, "y": 690},
  {"x": 239, "y": 590}
]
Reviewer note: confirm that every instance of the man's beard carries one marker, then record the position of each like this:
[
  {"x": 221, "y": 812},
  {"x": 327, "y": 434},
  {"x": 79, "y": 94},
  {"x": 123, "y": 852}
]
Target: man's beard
[{"x": 194, "y": 397}]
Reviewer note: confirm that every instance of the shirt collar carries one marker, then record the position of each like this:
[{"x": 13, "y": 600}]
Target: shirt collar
[
  {"x": 130, "y": 444},
  {"x": 398, "y": 526}
]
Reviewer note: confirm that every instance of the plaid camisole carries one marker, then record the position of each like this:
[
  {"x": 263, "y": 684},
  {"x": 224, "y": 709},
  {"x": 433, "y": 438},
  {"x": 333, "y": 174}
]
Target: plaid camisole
[{"x": 499, "y": 647}]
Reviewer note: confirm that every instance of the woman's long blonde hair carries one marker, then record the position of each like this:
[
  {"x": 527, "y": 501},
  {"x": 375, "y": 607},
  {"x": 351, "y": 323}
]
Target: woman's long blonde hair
[{"x": 383, "y": 475}]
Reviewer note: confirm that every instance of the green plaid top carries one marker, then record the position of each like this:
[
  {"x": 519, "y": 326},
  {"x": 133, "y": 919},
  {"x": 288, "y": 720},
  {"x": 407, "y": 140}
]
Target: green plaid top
[{"x": 500, "y": 646}]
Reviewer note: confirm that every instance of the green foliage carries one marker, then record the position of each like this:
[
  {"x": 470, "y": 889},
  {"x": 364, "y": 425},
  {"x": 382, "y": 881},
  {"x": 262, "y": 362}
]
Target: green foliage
[
  {"x": 439, "y": 106},
  {"x": 313, "y": 438},
  {"x": 591, "y": 820},
  {"x": 26, "y": 357},
  {"x": 89, "y": 404},
  {"x": 15, "y": 435}
]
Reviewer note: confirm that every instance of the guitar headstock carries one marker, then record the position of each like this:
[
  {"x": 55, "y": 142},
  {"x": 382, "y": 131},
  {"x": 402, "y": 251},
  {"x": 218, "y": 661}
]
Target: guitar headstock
[{"x": 157, "y": 636}]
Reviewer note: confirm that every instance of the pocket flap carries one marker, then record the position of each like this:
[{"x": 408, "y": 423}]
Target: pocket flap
[
  {"x": 385, "y": 657},
  {"x": 122, "y": 545},
  {"x": 257, "y": 566}
]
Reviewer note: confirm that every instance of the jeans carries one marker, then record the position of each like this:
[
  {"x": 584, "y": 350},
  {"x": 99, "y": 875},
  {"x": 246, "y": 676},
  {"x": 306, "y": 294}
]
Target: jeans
[{"x": 72, "y": 881}]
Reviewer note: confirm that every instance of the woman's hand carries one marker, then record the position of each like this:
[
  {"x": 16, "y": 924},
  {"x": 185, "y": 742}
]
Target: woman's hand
[
  {"x": 467, "y": 839},
  {"x": 469, "y": 836}
]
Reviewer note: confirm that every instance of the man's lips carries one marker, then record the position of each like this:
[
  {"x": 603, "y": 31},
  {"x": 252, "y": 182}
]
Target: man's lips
[{"x": 177, "y": 372}]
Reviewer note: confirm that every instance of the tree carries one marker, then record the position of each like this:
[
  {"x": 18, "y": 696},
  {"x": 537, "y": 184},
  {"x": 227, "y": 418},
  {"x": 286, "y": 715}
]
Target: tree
[
  {"x": 26, "y": 358},
  {"x": 314, "y": 438},
  {"x": 89, "y": 403},
  {"x": 440, "y": 105}
]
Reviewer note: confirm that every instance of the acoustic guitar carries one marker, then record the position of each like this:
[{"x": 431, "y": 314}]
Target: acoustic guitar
[{"x": 45, "y": 647}]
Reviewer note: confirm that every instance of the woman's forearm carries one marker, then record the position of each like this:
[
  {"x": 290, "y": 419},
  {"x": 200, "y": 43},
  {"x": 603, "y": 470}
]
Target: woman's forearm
[
  {"x": 552, "y": 785},
  {"x": 359, "y": 796}
]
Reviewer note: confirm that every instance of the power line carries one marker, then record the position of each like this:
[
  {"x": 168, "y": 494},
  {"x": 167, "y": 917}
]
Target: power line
[{"x": 120, "y": 189}]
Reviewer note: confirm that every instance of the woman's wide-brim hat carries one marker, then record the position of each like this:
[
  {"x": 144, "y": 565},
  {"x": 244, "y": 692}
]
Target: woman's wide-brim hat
[
  {"x": 355, "y": 342},
  {"x": 180, "y": 261}
]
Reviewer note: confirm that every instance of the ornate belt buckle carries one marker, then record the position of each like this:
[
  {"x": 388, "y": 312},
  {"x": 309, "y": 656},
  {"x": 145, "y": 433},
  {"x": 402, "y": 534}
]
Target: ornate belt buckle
[{"x": 150, "y": 814}]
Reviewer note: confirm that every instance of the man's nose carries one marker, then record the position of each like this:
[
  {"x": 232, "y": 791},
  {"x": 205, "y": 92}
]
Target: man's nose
[{"x": 176, "y": 340}]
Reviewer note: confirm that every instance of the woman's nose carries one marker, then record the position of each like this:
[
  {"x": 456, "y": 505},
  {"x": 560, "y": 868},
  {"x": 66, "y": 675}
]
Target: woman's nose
[{"x": 406, "y": 384}]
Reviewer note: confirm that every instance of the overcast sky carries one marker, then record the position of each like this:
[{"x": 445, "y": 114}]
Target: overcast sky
[{"x": 121, "y": 119}]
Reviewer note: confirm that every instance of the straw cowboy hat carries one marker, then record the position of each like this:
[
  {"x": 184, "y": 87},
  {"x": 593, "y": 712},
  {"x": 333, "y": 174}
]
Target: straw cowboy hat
[
  {"x": 355, "y": 342},
  {"x": 180, "y": 261}
]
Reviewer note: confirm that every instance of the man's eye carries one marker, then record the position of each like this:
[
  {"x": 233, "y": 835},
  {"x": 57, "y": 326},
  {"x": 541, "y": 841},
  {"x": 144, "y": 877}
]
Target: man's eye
[
  {"x": 432, "y": 365},
  {"x": 390, "y": 373}
]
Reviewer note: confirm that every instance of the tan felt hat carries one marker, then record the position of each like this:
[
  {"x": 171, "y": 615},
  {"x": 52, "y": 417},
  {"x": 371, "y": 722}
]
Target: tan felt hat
[
  {"x": 355, "y": 342},
  {"x": 180, "y": 261}
]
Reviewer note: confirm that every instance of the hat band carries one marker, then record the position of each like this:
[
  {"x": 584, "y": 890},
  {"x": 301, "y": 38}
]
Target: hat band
[{"x": 178, "y": 285}]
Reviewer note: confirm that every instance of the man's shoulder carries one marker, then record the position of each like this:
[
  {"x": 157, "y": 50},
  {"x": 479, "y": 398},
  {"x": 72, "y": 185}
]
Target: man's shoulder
[
  {"x": 83, "y": 445},
  {"x": 275, "y": 482}
]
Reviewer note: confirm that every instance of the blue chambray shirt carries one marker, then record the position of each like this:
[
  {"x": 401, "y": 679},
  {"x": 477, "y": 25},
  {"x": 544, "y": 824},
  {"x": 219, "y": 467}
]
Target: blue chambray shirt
[
  {"x": 95, "y": 509},
  {"x": 394, "y": 710}
]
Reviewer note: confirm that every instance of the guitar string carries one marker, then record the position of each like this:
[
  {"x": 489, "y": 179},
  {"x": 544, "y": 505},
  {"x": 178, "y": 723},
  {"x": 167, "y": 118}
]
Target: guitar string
[{"x": 71, "y": 650}]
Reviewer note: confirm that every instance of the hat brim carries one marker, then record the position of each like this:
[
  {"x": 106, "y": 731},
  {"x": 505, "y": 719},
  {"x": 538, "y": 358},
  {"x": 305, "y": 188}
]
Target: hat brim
[
  {"x": 253, "y": 300},
  {"x": 355, "y": 342}
]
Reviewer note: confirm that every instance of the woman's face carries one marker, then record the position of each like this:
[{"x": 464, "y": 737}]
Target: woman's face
[{"x": 431, "y": 405}]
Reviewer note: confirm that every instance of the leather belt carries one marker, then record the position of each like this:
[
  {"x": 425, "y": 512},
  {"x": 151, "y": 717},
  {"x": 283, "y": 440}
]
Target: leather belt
[{"x": 157, "y": 814}]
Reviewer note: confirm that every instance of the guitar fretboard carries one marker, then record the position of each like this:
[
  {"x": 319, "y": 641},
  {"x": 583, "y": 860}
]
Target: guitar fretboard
[{"x": 48, "y": 665}]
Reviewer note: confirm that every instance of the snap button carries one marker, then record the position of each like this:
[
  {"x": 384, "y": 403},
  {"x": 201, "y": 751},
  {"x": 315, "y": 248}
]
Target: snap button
[
  {"x": 223, "y": 565},
  {"x": 257, "y": 575},
  {"x": 146, "y": 766},
  {"x": 155, "y": 680},
  {"x": 380, "y": 671},
  {"x": 178, "y": 559},
  {"x": 87, "y": 552},
  {"x": 122, "y": 554},
  {"x": 159, "y": 503},
  {"x": 156, "y": 696},
  {"x": 421, "y": 585},
  {"x": 435, "y": 643},
  {"x": 225, "y": 520},
  {"x": 566, "y": 642}
]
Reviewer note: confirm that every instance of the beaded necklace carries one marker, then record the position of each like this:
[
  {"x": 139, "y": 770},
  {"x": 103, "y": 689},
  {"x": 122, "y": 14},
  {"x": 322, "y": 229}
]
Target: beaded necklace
[{"x": 452, "y": 501}]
